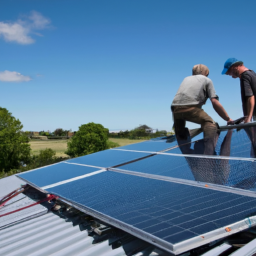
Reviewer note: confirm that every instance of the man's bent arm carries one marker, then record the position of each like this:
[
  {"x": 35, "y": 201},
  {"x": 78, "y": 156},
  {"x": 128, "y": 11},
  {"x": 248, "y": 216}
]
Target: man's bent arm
[
  {"x": 219, "y": 109},
  {"x": 250, "y": 102}
]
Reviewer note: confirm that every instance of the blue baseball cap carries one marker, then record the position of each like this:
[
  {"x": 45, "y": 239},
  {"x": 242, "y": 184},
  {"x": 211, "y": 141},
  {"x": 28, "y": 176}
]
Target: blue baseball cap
[{"x": 229, "y": 63}]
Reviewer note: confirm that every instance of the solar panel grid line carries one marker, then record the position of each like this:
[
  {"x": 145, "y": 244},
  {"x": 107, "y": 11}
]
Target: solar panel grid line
[
  {"x": 201, "y": 217},
  {"x": 194, "y": 205},
  {"x": 157, "y": 212},
  {"x": 191, "y": 200},
  {"x": 204, "y": 185},
  {"x": 119, "y": 224},
  {"x": 73, "y": 179},
  {"x": 154, "y": 213},
  {"x": 173, "y": 225},
  {"x": 85, "y": 165},
  {"x": 190, "y": 213},
  {"x": 192, "y": 156}
]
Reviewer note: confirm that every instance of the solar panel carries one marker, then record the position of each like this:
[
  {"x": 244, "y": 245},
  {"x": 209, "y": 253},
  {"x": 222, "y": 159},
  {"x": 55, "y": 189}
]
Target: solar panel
[
  {"x": 167, "y": 213},
  {"x": 174, "y": 200},
  {"x": 226, "y": 172}
]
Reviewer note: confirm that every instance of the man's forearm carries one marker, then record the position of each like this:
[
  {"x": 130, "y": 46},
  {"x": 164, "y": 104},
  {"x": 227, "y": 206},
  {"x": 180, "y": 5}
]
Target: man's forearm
[
  {"x": 250, "y": 103},
  {"x": 220, "y": 110}
]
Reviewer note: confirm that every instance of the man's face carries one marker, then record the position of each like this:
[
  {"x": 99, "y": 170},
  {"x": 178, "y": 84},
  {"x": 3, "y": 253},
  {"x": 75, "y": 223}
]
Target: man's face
[{"x": 233, "y": 71}]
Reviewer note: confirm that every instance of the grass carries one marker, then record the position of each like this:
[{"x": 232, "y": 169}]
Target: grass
[
  {"x": 123, "y": 142},
  {"x": 60, "y": 146}
]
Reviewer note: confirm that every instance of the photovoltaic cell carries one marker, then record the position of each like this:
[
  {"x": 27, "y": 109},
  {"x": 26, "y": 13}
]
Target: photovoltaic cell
[
  {"x": 165, "y": 210},
  {"x": 55, "y": 173},
  {"x": 108, "y": 158}
]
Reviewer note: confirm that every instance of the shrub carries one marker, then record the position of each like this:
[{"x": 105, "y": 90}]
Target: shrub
[
  {"x": 111, "y": 144},
  {"x": 90, "y": 138},
  {"x": 45, "y": 157}
]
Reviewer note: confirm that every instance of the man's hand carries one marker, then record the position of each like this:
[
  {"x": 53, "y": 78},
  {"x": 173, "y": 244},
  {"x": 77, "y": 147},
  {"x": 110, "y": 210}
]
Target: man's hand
[
  {"x": 229, "y": 121},
  {"x": 247, "y": 119}
]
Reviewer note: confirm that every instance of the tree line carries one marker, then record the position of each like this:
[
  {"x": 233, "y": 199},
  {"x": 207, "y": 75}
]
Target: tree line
[
  {"x": 137, "y": 133},
  {"x": 16, "y": 155},
  {"x": 15, "y": 151}
]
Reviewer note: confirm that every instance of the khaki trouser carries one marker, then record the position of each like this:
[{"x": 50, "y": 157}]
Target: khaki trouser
[{"x": 198, "y": 116}]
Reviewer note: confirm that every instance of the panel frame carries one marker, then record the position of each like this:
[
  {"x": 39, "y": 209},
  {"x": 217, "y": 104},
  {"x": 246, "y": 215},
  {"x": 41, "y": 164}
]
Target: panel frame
[{"x": 190, "y": 155}]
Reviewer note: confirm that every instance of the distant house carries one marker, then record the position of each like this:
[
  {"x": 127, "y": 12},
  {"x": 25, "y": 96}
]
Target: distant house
[
  {"x": 34, "y": 133},
  {"x": 70, "y": 134},
  {"x": 116, "y": 131}
]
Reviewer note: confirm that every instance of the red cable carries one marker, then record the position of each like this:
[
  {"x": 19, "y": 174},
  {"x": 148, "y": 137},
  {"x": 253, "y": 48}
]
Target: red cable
[
  {"x": 48, "y": 198},
  {"x": 11, "y": 193},
  {"x": 10, "y": 196}
]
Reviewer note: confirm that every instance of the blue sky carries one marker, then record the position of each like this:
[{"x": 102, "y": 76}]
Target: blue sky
[{"x": 118, "y": 63}]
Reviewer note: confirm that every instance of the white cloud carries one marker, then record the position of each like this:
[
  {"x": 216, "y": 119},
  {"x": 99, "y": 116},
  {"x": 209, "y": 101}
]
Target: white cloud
[
  {"x": 13, "y": 76},
  {"x": 20, "y": 30},
  {"x": 38, "y": 20}
]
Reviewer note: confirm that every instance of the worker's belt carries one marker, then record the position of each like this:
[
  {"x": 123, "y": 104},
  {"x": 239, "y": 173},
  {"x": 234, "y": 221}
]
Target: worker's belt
[{"x": 179, "y": 109}]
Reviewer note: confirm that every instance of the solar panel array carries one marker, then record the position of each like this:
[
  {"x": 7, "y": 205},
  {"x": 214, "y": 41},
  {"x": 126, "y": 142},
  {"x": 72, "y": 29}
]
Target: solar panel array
[{"x": 167, "y": 194}]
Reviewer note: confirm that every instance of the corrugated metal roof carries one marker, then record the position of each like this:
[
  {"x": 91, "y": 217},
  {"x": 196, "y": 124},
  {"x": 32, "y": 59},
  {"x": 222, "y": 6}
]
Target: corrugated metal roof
[
  {"x": 8, "y": 185},
  {"x": 51, "y": 235},
  {"x": 20, "y": 216}
]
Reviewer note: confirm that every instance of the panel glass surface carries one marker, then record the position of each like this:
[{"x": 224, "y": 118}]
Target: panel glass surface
[
  {"x": 169, "y": 211},
  {"x": 241, "y": 143},
  {"x": 156, "y": 144},
  {"x": 55, "y": 173},
  {"x": 236, "y": 173},
  {"x": 108, "y": 158}
]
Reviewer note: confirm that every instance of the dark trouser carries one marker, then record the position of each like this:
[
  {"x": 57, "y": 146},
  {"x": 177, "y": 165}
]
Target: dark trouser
[{"x": 198, "y": 116}]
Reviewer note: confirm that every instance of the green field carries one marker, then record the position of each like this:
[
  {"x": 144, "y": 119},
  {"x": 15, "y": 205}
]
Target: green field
[{"x": 60, "y": 146}]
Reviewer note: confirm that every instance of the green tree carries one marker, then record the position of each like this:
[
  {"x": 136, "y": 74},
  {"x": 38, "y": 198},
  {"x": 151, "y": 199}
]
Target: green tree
[
  {"x": 59, "y": 132},
  {"x": 90, "y": 138},
  {"x": 14, "y": 147}
]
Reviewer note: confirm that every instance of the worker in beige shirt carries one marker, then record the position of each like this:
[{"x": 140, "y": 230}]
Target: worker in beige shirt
[{"x": 187, "y": 106}]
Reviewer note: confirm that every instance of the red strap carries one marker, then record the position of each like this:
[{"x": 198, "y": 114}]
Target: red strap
[
  {"x": 11, "y": 195},
  {"x": 48, "y": 198}
]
